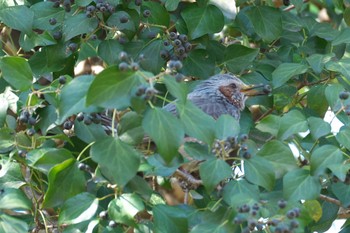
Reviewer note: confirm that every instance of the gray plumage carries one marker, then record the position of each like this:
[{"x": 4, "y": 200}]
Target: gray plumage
[{"x": 218, "y": 95}]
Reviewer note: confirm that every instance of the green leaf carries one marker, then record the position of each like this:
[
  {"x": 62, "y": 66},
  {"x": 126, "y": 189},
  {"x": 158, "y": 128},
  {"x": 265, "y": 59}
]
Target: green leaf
[
  {"x": 197, "y": 124},
  {"x": 285, "y": 71},
  {"x": 213, "y": 171},
  {"x": 197, "y": 151},
  {"x": 270, "y": 124},
  {"x": 342, "y": 66},
  {"x": 18, "y": 17},
  {"x": 124, "y": 208},
  {"x": 198, "y": 64},
  {"x": 11, "y": 175},
  {"x": 89, "y": 133},
  {"x": 109, "y": 51},
  {"x": 342, "y": 38},
  {"x": 316, "y": 100},
  {"x": 73, "y": 98},
  {"x": 299, "y": 185},
  {"x": 3, "y": 110},
  {"x": 343, "y": 136},
  {"x": 48, "y": 118},
  {"x": 170, "y": 219},
  {"x": 16, "y": 71},
  {"x": 176, "y": 89},
  {"x": 267, "y": 22},
  {"x": 111, "y": 85},
  {"x": 118, "y": 161},
  {"x": 130, "y": 128},
  {"x": 258, "y": 171},
  {"x": 65, "y": 181},
  {"x": 152, "y": 61},
  {"x": 324, "y": 156},
  {"x": 44, "y": 159},
  {"x": 226, "y": 126},
  {"x": 43, "y": 61},
  {"x": 339, "y": 170},
  {"x": 314, "y": 209},
  {"x": 317, "y": 61},
  {"x": 166, "y": 130},
  {"x": 14, "y": 199},
  {"x": 280, "y": 156},
  {"x": 237, "y": 192},
  {"x": 159, "y": 14},
  {"x": 79, "y": 208},
  {"x": 114, "y": 21},
  {"x": 78, "y": 24},
  {"x": 332, "y": 95},
  {"x": 43, "y": 12},
  {"x": 171, "y": 5},
  {"x": 238, "y": 57},
  {"x": 202, "y": 20},
  {"x": 12, "y": 224},
  {"x": 291, "y": 123},
  {"x": 318, "y": 127},
  {"x": 342, "y": 192},
  {"x": 346, "y": 16}
]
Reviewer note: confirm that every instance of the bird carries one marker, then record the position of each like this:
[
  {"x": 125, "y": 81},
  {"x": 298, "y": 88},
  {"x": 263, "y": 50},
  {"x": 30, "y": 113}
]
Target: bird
[{"x": 218, "y": 95}]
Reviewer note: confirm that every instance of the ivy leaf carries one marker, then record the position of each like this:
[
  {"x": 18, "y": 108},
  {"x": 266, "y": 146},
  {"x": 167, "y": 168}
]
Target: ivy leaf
[
  {"x": 16, "y": 71},
  {"x": 270, "y": 124},
  {"x": 267, "y": 22},
  {"x": 198, "y": 64},
  {"x": 314, "y": 209},
  {"x": 18, "y": 17},
  {"x": 258, "y": 171},
  {"x": 65, "y": 175},
  {"x": 171, "y": 5},
  {"x": 343, "y": 136},
  {"x": 12, "y": 224},
  {"x": 280, "y": 156},
  {"x": 285, "y": 71},
  {"x": 342, "y": 66},
  {"x": 158, "y": 16},
  {"x": 117, "y": 160},
  {"x": 170, "y": 219},
  {"x": 43, "y": 12},
  {"x": 299, "y": 185},
  {"x": 213, "y": 171},
  {"x": 342, "y": 38},
  {"x": 124, "y": 208},
  {"x": 342, "y": 192},
  {"x": 226, "y": 126},
  {"x": 237, "y": 192},
  {"x": 318, "y": 127},
  {"x": 73, "y": 98},
  {"x": 324, "y": 156},
  {"x": 291, "y": 123},
  {"x": 71, "y": 213},
  {"x": 202, "y": 20},
  {"x": 238, "y": 57},
  {"x": 111, "y": 85},
  {"x": 176, "y": 89},
  {"x": 318, "y": 61},
  {"x": 166, "y": 130},
  {"x": 78, "y": 24},
  {"x": 152, "y": 61},
  {"x": 109, "y": 51},
  {"x": 14, "y": 199},
  {"x": 332, "y": 95}
]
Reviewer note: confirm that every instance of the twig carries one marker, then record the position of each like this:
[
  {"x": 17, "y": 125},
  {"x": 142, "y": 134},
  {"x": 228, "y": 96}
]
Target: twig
[
  {"x": 330, "y": 199},
  {"x": 291, "y": 7},
  {"x": 188, "y": 177}
]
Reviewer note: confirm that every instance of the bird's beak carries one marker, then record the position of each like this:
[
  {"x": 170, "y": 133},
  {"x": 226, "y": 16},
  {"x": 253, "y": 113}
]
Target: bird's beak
[{"x": 254, "y": 90}]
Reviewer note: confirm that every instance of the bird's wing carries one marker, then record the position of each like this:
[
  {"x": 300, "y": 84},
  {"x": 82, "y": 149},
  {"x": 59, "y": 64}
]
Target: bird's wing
[
  {"x": 171, "y": 108},
  {"x": 213, "y": 109}
]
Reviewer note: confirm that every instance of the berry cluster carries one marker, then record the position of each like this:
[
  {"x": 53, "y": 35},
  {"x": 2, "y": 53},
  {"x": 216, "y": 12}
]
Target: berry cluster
[
  {"x": 88, "y": 119},
  {"x": 103, "y": 215},
  {"x": 249, "y": 214},
  {"x": 344, "y": 96},
  {"x": 174, "y": 66},
  {"x": 127, "y": 63},
  {"x": 231, "y": 144},
  {"x": 146, "y": 93},
  {"x": 101, "y": 6},
  {"x": 178, "y": 45},
  {"x": 84, "y": 167},
  {"x": 66, "y": 4},
  {"x": 26, "y": 118}
]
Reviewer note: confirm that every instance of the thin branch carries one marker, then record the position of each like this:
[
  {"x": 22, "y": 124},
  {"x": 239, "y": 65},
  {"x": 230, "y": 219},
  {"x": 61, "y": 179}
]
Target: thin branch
[
  {"x": 291, "y": 7},
  {"x": 330, "y": 200},
  {"x": 188, "y": 177}
]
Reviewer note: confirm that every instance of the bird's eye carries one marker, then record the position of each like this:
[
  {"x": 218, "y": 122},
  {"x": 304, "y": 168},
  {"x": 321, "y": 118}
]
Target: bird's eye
[{"x": 233, "y": 85}]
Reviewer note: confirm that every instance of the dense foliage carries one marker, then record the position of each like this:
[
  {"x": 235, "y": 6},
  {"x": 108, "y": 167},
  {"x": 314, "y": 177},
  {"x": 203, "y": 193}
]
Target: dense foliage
[{"x": 62, "y": 169}]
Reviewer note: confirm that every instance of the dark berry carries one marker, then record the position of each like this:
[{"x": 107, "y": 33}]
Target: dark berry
[
  {"x": 31, "y": 120},
  {"x": 183, "y": 38},
  {"x": 244, "y": 208},
  {"x": 72, "y": 47},
  {"x": 67, "y": 8},
  {"x": 123, "y": 19},
  {"x": 123, "y": 56},
  {"x": 244, "y": 137},
  {"x": 103, "y": 215},
  {"x": 141, "y": 57},
  {"x": 80, "y": 116},
  {"x": 138, "y": 2},
  {"x": 103, "y": 9},
  {"x": 68, "y": 125},
  {"x": 87, "y": 120},
  {"x": 294, "y": 224},
  {"x": 253, "y": 212},
  {"x": 282, "y": 204},
  {"x": 141, "y": 90},
  {"x": 239, "y": 219},
  {"x": 297, "y": 212},
  {"x": 259, "y": 227},
  {"x": 88, "y": 14},
  {"x": 291, "y": 214},
  {"x": 57, "y": 35},
  {"x": 151, "y": 35},
  {"x": 135, "y": 66},
  {"x": 179, "y": 77},
  {"x": 273, "y": 222},
  {"x": 267, "y": 89},
  {"x": 30, "y": 132},
  {"x": 56, "y": 4},
  {"x": 111, "y": 9},
  {"x": 112, "y": 224},
  {"x": 146, "y": 13},
  {"x": 178, "y": 65},
  {"x": 93, "y": 37},
  {"x": 62, "y": 79},
  {"x": 247, "y": 155},
  {"x": 172, "y": 64},
  {"x": 90, "y": 8},
  {"x": 252, "y": 223},
  {"x": 82, "y": 166},
  {"x": 166, "y": 43},
  {"x": 180, "y": 50},
  {"x": 96, "y": 119},
  {"x": 164, "y": 54},
  {"x": 286, "y": 2},
  {"x": 172, "y": 35},
  {"x": 23, "y": 118},
  {"x": 123, "y": 66},
  {"x": 188, "y": 47},
  {"x": 344, "y": 95},
  {"x": 52, "y": 21},
  {"x": 256, "y": 206},
  {"x": 347, "y": 111},
  {"x": 177, "y": 42}
]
